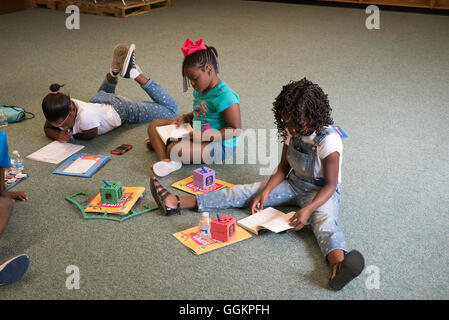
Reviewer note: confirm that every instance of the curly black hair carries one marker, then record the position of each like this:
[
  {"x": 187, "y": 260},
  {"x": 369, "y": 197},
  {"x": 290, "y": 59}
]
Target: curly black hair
[{"x": 300, "y": 99}]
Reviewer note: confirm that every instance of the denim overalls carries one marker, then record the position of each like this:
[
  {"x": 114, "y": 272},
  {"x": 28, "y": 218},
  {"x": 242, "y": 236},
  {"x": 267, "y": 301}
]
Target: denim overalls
[{"x": 298, "y": 189}]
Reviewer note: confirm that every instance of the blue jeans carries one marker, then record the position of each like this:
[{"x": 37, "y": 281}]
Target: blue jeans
[
  {"x": 163, "y": 105},
  {"x": 288, "y": 193}
]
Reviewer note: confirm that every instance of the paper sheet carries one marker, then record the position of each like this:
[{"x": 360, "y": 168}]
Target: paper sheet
[
  {"x": 80, "y": 166},
  {"x": 55, "y": 152}
]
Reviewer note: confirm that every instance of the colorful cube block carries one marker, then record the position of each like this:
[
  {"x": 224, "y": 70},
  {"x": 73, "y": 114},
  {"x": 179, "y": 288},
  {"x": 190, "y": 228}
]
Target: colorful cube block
[
  {"x": 112, "y": 193},
  {"x": 204, "y": 180},
  {"x": 223, "y": 230}
]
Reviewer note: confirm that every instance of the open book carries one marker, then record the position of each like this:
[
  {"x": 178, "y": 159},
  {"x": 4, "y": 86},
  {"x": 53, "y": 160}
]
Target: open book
[
  {"x": 170, "y": 131},
  {"x": 269, "y": 218}
]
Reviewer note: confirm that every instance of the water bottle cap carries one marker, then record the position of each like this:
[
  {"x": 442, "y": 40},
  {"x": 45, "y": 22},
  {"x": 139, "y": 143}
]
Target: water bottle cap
[{"x": 206, "y": 214}]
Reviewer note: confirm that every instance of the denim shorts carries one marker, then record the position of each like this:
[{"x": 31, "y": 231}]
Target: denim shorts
[{"x": 218, "y": 152}]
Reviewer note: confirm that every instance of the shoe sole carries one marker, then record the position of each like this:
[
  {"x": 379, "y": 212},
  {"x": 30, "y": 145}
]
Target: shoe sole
[
  {"x": 13, "y": 269},
  {"x": 351, "y": 267},
  {"x": 172, "y": 168},
  {"x": 131, "y": 49},
  {"x": 118, "y": 59}
]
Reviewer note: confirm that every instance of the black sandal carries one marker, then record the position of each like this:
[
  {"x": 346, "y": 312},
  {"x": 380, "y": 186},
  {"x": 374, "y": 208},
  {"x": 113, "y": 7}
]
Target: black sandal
[
  {"x": 347, "y": 270},
  {"x": 160, "y": 194}
]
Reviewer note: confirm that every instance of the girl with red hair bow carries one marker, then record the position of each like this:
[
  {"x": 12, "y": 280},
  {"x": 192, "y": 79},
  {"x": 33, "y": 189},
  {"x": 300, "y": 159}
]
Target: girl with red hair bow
[{"x": 215, "y": 117}]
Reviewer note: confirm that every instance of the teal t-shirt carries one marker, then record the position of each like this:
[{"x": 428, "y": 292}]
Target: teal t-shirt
[{"x": 207, "y": 108}]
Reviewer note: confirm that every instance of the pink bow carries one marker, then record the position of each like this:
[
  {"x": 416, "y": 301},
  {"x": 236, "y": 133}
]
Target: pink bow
[{"x": 189, "y": 47}]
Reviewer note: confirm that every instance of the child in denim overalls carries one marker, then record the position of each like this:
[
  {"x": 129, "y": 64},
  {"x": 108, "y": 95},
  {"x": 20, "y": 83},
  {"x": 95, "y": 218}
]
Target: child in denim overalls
[{"x": 308, "y": 176}]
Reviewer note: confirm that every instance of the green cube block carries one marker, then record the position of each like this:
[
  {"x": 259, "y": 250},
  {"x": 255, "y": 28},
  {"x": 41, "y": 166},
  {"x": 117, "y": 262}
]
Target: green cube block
[{"x": 111, "y": 194}]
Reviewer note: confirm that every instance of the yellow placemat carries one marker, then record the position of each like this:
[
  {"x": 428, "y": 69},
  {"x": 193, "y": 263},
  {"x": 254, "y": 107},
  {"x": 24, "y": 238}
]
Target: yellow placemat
[
  {"x": 188, "y": 186},
  {"x": 130, "y": 197},
  {"x": 191, "y": 239}
]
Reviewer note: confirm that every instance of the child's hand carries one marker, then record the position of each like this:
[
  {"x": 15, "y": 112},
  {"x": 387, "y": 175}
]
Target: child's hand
[
  {"x": 64, "y": 136},
  {"x": 178, "y": 121},
  {"x": 258, "y": 202},
  {"x": 299, "y": 220},
  {"x": 18, "y": 195}
]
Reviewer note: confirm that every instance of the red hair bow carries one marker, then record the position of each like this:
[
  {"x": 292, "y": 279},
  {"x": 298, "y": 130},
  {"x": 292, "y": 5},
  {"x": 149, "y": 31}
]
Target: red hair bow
[{"x": 189, "y": 47}]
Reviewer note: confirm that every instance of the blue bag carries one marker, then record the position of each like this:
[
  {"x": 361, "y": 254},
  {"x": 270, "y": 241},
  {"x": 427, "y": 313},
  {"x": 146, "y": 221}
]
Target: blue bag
[{"x": 16, "y": 114}]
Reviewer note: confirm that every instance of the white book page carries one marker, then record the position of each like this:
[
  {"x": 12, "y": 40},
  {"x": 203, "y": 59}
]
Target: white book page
[
  {"x": 170, "y": 131},
  {"x": 260, "y": 218},
  {"x": 80, "y": 166},
  {"x": 55, "y": 152},
  {"x": 280, "y": 223}
]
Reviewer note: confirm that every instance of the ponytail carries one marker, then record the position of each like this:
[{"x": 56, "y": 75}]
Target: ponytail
[{"x": 55, "y": 105}]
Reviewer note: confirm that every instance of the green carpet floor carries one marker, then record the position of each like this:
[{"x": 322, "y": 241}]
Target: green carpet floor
[{"x": 388, "y": 89}]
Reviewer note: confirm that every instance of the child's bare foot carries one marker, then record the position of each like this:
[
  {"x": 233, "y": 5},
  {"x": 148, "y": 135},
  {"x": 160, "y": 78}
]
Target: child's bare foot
[{"x": 148, "y": 144}]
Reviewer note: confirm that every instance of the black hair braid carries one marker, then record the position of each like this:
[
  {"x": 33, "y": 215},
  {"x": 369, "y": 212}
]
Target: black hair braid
[
  {"x": 302, "y": 99},
  {"x": 200, "y": 58}
]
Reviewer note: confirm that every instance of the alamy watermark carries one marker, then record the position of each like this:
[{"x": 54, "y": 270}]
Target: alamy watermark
[
  {"x": 73, "y": 20},
  {"x": 73, "y": 280},
  {"x": 256, "y": 146},
  {"x": 373, "y": 277},
  {"x": 373, "y": 20}
]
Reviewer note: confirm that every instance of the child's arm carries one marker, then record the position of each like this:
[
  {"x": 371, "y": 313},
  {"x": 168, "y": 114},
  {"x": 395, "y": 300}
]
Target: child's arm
[
  {"x": 233, "y": 126},
  {"x": 233, "y": 121},
  {"x": 330, "y": 172},
  {"x": 281, "y": 172},
  {"x": 2, "y": 183},
  {"x": 88, "y": 134},
  {"x": 56, "y": 133},
  {"x": 6, "y": 207}
]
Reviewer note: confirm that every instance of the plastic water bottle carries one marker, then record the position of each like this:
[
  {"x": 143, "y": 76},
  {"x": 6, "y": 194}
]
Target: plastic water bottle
[
  {"x": 205, "y": 226},
  {"x": 16, "y": 163}
]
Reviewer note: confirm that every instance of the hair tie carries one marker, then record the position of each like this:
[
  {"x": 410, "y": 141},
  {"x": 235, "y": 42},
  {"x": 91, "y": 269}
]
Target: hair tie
[
  {"x": 54, "y": 92},
  {"x": 189, "y": 47}
]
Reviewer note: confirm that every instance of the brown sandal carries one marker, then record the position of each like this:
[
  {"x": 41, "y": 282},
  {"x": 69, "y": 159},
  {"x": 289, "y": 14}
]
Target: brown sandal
[{"x": 160, "y": 194}]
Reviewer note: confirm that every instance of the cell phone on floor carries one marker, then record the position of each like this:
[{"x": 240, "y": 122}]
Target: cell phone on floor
[{"x": 122, "y": 149}]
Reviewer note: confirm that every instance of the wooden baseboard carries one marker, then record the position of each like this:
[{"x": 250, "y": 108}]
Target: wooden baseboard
[
  {"x": 117, "y": 8},
  {"x": 429, "y": 4},
  {"x": 7, "y": 6}
]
